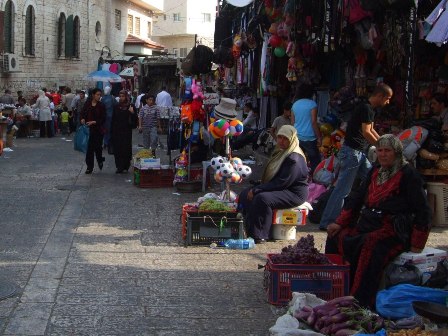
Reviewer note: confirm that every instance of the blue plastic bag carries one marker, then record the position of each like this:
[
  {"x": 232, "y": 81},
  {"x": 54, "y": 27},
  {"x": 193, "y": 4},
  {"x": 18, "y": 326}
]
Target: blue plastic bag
[
  {"x": 82, "y": 139},
  {"x": 382, "y": 332},
  {"x": 396, "y": 302}
]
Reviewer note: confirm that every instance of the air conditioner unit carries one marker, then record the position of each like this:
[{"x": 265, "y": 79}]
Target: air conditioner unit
[{"x": 10, "y": 63}]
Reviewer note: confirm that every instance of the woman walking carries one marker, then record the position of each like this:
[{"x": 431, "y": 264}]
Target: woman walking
[
  {"x": 124, "y": 119},
  {"x": 94, "y": 116},
  {"x": 43, "y": 104}
]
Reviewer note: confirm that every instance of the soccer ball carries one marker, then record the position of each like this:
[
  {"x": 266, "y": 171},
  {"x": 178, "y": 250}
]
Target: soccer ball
[
  {"x": 216, "y": 162},
  {"x": 244, "y": 171},
  {"x": 236, "y": 128},
  {"x": 226, "y": 169}
]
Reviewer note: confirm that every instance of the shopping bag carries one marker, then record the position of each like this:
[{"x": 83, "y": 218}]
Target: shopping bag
[
  {"x": 396, "y": 302},
  {"x": 82, "y": 139}
]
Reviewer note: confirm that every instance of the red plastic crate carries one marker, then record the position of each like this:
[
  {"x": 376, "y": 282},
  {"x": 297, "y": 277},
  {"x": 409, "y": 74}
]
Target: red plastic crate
[
  {"x": 325, "y": 281},
  {"x": 153, "y": 178}
]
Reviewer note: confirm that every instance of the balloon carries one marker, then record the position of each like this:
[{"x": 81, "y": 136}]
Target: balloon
[
  {"x": 218, "y": 176},
  {"x": 275, "y": 41},
  {"x": 326, "y": 129},
  {"x": 236, "y": 161},
  {"x": 236, "y": 127},
  {"x": 279, "y": 51},
  {"x": 235, "y": 178}
]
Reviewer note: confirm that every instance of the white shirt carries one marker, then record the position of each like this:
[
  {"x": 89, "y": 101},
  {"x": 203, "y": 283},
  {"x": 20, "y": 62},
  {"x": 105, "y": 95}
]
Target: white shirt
[
  {"x": 250, "y": 121},
  {"x": 164, "y": 99},
  {"x": 138, "y": 100}
]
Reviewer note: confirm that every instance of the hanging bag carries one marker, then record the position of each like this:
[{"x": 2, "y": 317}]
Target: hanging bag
[
  {"x": 325, "y": 172},
  {"x": 82, "y": 139}
]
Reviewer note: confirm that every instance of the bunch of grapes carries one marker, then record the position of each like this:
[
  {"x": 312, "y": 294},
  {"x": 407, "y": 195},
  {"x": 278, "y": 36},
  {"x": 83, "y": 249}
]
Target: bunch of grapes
[{"x": 303, "y": 252}]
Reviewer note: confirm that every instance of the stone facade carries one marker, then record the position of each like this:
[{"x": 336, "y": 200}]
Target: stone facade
[{"x": 101, "y": 23}]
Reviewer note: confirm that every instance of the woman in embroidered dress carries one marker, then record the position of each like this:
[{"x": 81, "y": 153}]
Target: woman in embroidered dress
[{"x": 388, "y": 215}]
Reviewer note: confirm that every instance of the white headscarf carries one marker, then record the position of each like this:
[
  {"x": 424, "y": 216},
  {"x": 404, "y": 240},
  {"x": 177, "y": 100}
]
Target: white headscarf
[{"x": 107, "y": 90}]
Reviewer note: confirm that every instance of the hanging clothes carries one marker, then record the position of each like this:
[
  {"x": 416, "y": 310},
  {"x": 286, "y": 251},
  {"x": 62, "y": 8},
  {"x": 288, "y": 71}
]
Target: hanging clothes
[{"x": 323, "y": 98}]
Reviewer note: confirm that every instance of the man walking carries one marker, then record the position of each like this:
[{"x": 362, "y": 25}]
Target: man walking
[
  {"x": 149, "y": 123},
  {"x": 352, "y": 157},
  {"x": 164, "y": 98}
]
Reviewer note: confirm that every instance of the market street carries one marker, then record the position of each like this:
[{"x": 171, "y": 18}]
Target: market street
[{"x": 95, "y": 255}]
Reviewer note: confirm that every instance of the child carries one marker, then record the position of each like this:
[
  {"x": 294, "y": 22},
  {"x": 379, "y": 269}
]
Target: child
[{"x": 65, "y": 121}]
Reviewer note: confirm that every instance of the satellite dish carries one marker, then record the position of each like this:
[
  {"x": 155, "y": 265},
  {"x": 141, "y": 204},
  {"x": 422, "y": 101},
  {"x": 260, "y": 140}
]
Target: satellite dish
[{"x": 239, "y": 3}]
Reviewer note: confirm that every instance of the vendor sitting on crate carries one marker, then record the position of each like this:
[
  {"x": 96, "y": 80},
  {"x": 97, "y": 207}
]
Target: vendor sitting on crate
[
  {"x": 284, "y": 185},
  {"x": 388, "y": 215}
]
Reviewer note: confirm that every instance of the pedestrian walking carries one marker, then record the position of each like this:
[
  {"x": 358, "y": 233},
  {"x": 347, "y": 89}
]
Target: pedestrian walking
[
  {"x": 149, "y": 123},
  {"x": 94, "y": 116}
]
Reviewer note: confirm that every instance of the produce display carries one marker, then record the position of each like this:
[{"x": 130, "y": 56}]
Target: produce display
[
  {"x": 412, "y": 332},
  {"x": 303, "y": 252},
  {"x": 212, "y": 205},
  {"x": 144, "y": 154},
  {"x": 340, "y": 317}
]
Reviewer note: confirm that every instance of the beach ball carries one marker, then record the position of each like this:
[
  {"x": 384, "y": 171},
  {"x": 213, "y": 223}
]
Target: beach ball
[
  {"x": 218, "y": 176},
  {"x": 326, "y": 129},
  {"x": 236, "y": 127},
  {"x": 279, "y": 51},
  {"x": 235, "y": 178},
  {"x": 244, "y": 171},
  {"x": 236, "y": 161},
  {"x": 226, "y": 169},
  {"x": 216, "y": 162},
  {"x": 221, "y": 127}
]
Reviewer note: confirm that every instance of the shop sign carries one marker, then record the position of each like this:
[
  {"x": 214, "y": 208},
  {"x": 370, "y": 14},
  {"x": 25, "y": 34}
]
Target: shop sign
[{"x": 211, "y": 99}]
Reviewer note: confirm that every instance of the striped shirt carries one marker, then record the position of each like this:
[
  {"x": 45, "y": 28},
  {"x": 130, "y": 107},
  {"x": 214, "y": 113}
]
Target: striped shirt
[{"x": 149, "y": 115}]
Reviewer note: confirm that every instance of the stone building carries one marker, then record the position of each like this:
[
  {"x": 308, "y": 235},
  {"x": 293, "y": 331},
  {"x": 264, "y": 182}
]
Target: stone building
[
  {"x": 55, "y": 43},
  {"x": 181, "y": 21}
]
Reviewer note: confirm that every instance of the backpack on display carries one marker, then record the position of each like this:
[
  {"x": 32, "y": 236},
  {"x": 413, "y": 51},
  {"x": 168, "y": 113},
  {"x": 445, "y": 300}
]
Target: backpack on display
[
  {"x": 412, "y": 140},
  {"x": 187, "y": 63},
  {"x": 203, "y": 58}
]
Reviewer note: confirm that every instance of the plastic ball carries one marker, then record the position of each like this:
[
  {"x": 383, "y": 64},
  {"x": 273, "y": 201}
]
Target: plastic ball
[
  {"x": 216, "y": 162},
  {"x": 326, "y": 129},
  {"x": 226, "y": 169},
  {"x": 275, "y": 41},
  {"x": 221, "y": 127},
  {"x": 212, "y": 131},
  {"x": 236, "y": 127},
  {"x": 244, "y": 171},
  {"x": 279, "y": 52},
  {"x": 234, "y": 178},
  {"x": 218, "y": 176},
  {"x": 236, "y": 161}
]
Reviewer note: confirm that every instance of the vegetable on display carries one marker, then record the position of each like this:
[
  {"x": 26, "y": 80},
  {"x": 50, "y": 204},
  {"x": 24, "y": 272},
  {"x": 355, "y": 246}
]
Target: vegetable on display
[
  {"x": 303, "y": 252},
  {"x": 214, "y": 206}
]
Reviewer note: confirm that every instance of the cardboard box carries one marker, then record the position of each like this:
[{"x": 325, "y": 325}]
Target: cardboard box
[
  {"x": 147, "y": 163},
  {"x": 289, "y": 216},
  {"x": 425, "y": 261}
]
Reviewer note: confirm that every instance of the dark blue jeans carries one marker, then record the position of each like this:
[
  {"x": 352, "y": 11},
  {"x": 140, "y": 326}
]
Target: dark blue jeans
[{"x": 312, "y": 153}]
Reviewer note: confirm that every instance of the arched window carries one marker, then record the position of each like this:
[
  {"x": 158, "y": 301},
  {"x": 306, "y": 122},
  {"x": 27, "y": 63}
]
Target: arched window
[
  {"x": 9, "y": 26},
  {"x": 61, "y": 35},
  {"x": 76, "y": 36},
  {"x": 30, "y": 20}
]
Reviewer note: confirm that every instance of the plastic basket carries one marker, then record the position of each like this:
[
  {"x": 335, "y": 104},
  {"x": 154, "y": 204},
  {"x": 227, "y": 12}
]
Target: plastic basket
[
  {"x": 325, "y": 281},
  {"x": 440, "y": 192},
  {"x": 153, "y": 178},
  {"x": 207, "y": 228}
]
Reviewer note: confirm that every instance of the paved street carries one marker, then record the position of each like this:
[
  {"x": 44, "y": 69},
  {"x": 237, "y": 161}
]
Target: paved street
[{"x": 95, "y": 255}]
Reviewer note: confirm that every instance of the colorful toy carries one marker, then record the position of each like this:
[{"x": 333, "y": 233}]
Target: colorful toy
[
  {"x": 216, "y": 162},
  {"x": 196, "y": 89},
  {"x": 212, "y": 131},
  {"x": 221, "y": 127},
  {"x": 235, "y": 178},
  {"x": 275, "y": 41},
  {"x": 279, "y": 51},
  {"x": 244, "y": 171},
  {"x": 236, "y": 161},
  {"x": 236, "y": 127},
  {"x": 226, "y": 169},
  {"x": 218, "y": 176}
]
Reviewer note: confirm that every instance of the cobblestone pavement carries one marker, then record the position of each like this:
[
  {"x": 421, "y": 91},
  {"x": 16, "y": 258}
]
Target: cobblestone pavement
[{"x": 95, "y": 255}]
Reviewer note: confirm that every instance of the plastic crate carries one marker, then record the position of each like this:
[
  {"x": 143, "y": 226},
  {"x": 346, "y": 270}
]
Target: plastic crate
[
  {"x": 325, "y": 281},
  {"x": 206, "y": 228},
  {"x": 440, "y": 192},
  {"x": 153, "y": 178}
]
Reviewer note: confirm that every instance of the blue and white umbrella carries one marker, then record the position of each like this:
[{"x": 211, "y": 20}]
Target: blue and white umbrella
[{"x": 103, "y": 76}]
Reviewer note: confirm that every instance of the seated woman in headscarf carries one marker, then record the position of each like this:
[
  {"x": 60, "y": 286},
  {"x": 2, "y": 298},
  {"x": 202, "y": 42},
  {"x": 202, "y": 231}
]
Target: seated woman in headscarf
[
  {"x": 388, "y": 215},
  {"x": 284, "y": 185}
]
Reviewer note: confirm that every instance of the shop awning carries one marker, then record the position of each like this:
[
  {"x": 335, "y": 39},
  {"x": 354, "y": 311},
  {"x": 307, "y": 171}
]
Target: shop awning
[{"x": 133, "y": 40}]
